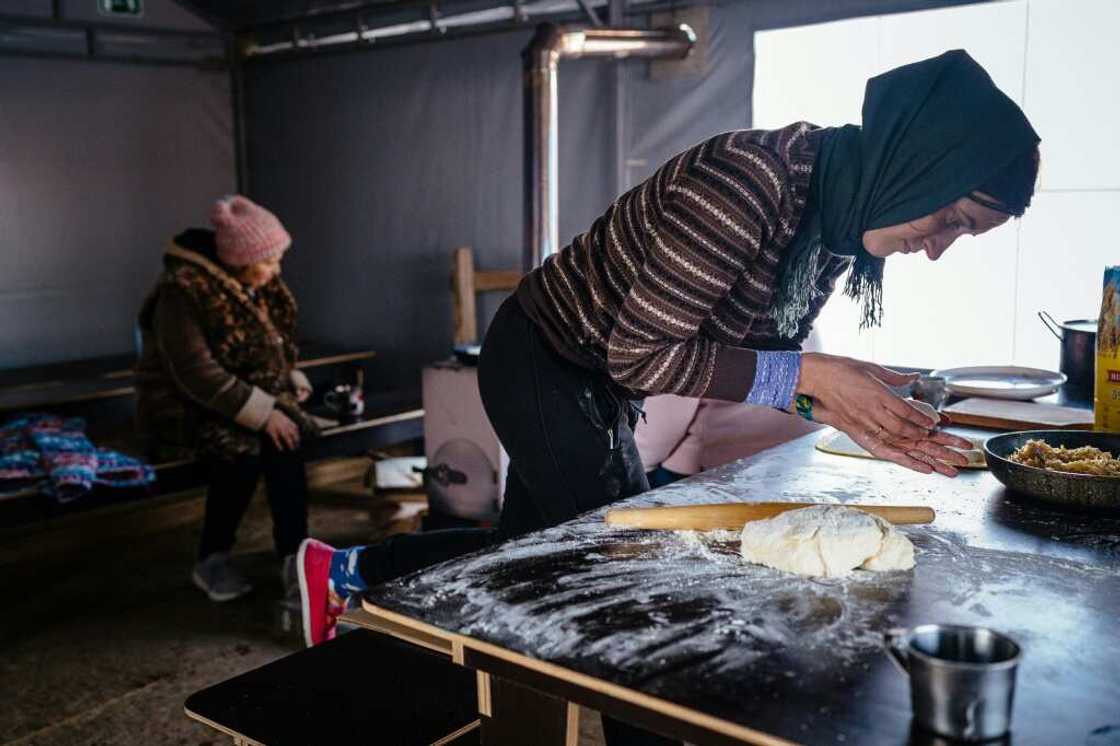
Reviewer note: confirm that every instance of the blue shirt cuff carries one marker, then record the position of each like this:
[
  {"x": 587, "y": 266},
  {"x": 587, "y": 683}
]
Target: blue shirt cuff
[{"x": 775, "y": 379}]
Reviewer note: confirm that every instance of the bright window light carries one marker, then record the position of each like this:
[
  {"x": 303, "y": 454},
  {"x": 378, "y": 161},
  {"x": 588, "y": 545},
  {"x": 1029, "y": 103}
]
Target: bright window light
[{"x": 978, "y": 305}]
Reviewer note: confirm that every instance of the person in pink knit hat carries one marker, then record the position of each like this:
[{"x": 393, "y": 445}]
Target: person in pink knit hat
[{"x": 217, "y": 378}]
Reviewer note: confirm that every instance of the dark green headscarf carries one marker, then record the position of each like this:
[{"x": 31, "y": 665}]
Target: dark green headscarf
[{"x": 933, "y": 132}]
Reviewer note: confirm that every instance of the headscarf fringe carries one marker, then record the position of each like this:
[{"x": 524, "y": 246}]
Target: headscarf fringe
[
  {"x": 797, "y": 289},
  {"x": 865, "y": 284}
]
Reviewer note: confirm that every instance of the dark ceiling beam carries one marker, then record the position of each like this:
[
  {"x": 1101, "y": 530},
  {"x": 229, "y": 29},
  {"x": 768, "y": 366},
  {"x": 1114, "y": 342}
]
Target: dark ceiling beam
[
  {"x": 90, "y": 34},
  {"x": 26, "y": 22},
  {"x": 371, "y": 11},
  {"x": 218, "y": 22},
  {"x": 450, "y": 34},
  {"x": 241, "y": 18},
  {"x": 282, "y": 32},
  {"x": 116, "y": 59},
  {"x": 590, "y": 13}
]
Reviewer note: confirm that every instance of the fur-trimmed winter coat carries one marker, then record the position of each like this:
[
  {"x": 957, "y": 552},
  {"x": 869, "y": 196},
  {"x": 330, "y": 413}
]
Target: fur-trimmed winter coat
[{"x": 217, "y": 358}]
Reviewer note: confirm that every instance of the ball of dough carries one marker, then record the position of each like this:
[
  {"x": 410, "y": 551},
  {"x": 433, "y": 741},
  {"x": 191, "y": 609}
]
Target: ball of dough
[
  {"x": 895, "y": 553},
  {"x": 975, "y": 457},
  {"x": 926, "y": 409},
  {"x": 826, "y": 540}
]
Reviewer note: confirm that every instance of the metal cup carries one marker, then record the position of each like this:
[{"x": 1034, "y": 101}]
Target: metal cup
[
  {"x": 962, "y": 679},
  {"x": 345, "y": 400}
]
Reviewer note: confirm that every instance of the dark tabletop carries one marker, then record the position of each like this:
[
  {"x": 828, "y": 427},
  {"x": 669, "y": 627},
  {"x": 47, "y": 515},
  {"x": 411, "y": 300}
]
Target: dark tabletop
[
  {"x": 326, "y": 694},
  {"x": 683, "y": 618}
]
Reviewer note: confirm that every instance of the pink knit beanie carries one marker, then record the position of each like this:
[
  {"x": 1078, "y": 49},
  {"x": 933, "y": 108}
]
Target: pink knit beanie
[{"x": 246, "y": 232}]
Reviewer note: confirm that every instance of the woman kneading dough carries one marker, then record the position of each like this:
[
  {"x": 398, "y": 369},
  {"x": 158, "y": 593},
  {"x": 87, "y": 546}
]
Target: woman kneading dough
[{"x": 705, "y": 280}]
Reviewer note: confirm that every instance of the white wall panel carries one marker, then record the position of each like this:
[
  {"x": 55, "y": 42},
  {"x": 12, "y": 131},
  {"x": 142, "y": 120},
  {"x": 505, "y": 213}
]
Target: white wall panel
[
  {"x": 934, "y": 309},
  {"x": 1073, "y": 77},
  {"x": 838, "y": 327},
  {"x": 814, "y": 73},
  {"x": 995, "y": 34},
  {"x": 979, "y": 303},
  {"x": 955, "y": 311},
  {"x": 1063, "y": 250}
]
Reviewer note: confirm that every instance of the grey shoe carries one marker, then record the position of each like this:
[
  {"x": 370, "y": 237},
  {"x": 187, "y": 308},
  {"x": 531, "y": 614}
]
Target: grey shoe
[
  {"x": 290, "y": 578},
  {"x": 288, "y": 611},
  {"x": 218, "y": 579}
]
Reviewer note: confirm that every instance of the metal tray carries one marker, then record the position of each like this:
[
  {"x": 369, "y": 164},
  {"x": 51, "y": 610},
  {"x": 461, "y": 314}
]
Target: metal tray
[
  {"x": 1072, "y": 491},
  {"x": 1001, "y": 381}
]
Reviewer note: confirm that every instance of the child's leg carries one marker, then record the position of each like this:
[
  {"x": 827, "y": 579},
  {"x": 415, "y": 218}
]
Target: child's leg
[{"x": 328, "y": 577}]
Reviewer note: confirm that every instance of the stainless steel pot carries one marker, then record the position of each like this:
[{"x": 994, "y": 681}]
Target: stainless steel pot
[{"x": 1079, "y": 354}]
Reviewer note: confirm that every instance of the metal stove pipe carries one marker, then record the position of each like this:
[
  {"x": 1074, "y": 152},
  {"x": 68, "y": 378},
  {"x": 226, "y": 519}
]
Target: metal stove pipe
[{"x": 550, "y": 45}]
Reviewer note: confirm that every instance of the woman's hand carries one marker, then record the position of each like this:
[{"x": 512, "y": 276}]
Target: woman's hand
[
  {"x": 934, "y": 451},
  {"x": 853, "y": 396},
  {"x": 301, "y": 384},
  {"x": 283, "y": 433},
  {"x": 926, "y": 455}
]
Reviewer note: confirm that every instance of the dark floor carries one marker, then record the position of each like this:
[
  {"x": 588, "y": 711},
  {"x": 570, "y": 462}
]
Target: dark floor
[{"x": 104, "y": 647}]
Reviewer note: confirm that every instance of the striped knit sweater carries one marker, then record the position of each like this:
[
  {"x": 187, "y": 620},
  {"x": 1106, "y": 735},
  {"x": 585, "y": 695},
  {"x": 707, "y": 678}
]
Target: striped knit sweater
[{"x": 670, "y": 290}]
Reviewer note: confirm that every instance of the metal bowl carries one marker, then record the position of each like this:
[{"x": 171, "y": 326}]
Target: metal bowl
[
  {"x": 1072, "y": 491},
  {"x": 467, "y": 354}
]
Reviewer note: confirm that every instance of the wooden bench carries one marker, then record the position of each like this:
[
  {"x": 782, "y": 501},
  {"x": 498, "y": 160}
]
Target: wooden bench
[
  {"x": 97, "y": 379},
  {"x": 101, "y": 390},
  {"x": 391, "y": 417},
  {"x": 32, "y": 522},
  {"x": 363, "y": 687}
]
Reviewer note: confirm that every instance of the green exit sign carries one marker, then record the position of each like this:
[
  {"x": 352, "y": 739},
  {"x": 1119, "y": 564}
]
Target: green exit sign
[{"x": 133, "y": 8}]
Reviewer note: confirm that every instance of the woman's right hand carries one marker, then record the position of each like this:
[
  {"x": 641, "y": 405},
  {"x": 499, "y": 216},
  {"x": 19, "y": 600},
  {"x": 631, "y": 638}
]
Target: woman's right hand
[
  {"x": 853, "y": 396},
  {"x": 283, "y": 433}
]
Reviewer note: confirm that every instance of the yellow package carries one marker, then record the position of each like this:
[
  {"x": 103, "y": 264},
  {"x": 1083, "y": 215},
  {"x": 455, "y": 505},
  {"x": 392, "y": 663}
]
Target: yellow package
[{"x": 1107, "y": 390}]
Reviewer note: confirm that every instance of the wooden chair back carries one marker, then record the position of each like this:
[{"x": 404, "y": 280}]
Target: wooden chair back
[{"x": 466, "y": 283}]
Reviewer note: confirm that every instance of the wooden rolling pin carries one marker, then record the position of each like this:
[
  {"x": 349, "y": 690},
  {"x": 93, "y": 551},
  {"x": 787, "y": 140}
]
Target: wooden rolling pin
[{"x": 735, "y": 515}]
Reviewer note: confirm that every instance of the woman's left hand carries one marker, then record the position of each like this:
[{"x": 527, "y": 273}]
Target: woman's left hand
[
  {"x": 282, "y": 431},
  {"x": 935, "y": 452},
  {"x": 932, "y": 453},
  {"x": 302, "y": 385}
]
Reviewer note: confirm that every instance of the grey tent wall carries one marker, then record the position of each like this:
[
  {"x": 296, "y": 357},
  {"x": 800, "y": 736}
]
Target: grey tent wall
[
  {"x": 99, "y": 165},
  {"x": 382, "y": 162}
]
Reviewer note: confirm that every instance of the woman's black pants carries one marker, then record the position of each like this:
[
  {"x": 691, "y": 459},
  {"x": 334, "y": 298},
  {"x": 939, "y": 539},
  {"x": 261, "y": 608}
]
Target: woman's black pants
[
  {"x": 230, "y": 487},
  {"x": 570, "y": 439},
  {"x": 569, "y": 436}
]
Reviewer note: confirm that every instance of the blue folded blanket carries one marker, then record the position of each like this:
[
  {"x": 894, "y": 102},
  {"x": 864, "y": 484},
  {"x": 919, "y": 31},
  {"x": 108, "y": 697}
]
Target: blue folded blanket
[{"x": 55, "y": 451}]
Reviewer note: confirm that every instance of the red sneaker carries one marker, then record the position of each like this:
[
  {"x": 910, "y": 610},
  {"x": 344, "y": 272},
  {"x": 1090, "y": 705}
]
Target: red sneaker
[{"x": 321, "y": 606}]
